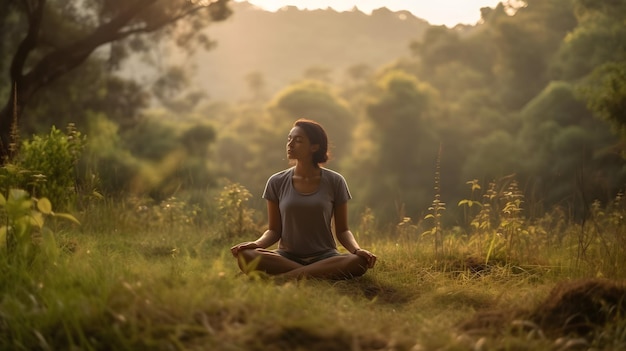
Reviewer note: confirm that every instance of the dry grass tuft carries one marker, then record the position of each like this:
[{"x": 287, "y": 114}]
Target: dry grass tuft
[
  {"x": 571, "y": 308},
  {"x": 579, "y": 307},
  {"x": 489, "y": 322}
]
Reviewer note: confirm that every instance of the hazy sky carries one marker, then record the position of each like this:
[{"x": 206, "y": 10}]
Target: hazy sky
[{"x": 436, "y": 12}]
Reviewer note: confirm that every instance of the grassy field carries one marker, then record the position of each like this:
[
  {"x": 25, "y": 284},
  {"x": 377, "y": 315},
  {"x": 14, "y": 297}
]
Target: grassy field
[{"x": 119, "y": 282}]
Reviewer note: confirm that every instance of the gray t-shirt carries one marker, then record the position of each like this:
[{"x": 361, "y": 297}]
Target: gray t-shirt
[{"x": 306, "y": 218}]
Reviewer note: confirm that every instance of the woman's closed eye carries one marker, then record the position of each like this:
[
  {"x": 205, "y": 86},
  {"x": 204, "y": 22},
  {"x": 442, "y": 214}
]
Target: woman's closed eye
[{"x": 296, "y": 139}]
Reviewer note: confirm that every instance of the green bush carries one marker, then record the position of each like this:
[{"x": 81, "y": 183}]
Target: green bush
[
  {"x": 236, "y": 218},
  {"x": 45, "y": 166}
]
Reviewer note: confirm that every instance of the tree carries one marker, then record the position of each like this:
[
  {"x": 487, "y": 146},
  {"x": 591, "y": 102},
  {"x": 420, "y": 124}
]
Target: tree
[
  {"x": 404, "y": 146},
  {"x": 526, "y": 42},
  {"x": 565, "y": 152},
  {"x": 57, "y": 36},
  {"x": 604, "y": 90},
  {"x": 90, "y": 88},
  {"x": 594, "y": 56},
  {"x": 596, "y": 40},
  {"x": 314, "y": 100}
]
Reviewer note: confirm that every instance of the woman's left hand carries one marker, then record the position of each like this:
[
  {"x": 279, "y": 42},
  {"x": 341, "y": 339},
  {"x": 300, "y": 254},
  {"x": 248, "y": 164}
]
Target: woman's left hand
[{"x": 368, "y": 256}]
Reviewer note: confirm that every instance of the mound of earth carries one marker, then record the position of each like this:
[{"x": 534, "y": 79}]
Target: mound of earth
[
  {"x": 579, "y": 307},
  {"x": 571, "y": 308}
]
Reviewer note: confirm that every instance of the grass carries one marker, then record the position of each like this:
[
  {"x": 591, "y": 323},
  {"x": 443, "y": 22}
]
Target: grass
[{"x": 176, "y": 287}]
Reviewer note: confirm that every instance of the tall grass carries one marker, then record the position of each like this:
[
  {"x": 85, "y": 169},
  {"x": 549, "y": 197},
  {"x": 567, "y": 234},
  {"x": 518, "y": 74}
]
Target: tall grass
[{"x": 122, "y": 287}]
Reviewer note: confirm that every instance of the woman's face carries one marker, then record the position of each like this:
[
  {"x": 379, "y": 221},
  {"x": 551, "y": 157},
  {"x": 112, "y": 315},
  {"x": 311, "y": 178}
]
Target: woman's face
[{"x": 298, "y": 145}]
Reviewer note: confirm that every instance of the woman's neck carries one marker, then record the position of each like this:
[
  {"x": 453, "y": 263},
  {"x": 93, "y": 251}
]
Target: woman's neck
[{"x": 306, "y": 170}]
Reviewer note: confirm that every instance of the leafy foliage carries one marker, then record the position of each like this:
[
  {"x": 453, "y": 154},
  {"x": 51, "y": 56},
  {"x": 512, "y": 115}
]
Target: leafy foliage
[
  {"x": 46, "y": 166},
  {"x": 56, "y": 37},
  {"x": 156, "y": 157},
  {"x": 23, "y": 236},
  {"x": 399, "y": 115},
  {"x": 499, "y": 226},
  {"x": 236, "y": 217},
  {"x": 604, "y": 90},
  {"x": 314, "y": 100}
]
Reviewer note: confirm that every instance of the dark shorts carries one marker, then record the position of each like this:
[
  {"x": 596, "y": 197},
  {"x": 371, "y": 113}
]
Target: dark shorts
[{"x": 306, "y": 260}]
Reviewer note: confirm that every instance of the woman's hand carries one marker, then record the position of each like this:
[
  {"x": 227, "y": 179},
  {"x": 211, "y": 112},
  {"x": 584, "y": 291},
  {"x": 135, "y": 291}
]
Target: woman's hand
[
  {"x": 368, "y": 256},
  {"x": 243, "y": 246}
]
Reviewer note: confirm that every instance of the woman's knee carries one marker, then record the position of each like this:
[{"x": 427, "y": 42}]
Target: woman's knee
[
  {"x": 245, "y": 257},
  {"x": 248, "y": 255}
]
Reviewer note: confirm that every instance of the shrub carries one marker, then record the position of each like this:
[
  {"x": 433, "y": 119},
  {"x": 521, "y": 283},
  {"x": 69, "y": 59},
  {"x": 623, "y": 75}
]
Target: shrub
[
  {"x": 45, "y": 166},
  {"x": 236, "y": 216}
]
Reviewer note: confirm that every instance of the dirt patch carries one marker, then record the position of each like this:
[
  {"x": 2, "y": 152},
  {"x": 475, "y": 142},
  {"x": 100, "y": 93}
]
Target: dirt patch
[
  {"x": 472, "y": 264},
  {"x": 576, "y": 307},
  {"x": 299, "y": 338},
  {"x": 386, "y": 294},
  {"x": 372, "y": 289}
]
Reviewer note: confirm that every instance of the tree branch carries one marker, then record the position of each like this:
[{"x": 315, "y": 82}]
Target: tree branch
[
  {"x": 159, "y": 25},
  {"x": 60, "y": 61},
  {"x": 218, "y": 14}
]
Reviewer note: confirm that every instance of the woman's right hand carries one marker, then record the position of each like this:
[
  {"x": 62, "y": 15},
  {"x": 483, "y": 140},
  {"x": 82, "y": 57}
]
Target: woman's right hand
[{"x": 243, "y": 246}]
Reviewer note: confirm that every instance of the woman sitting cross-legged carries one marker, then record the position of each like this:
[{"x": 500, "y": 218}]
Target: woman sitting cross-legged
[{"x": 301, "y": 203}]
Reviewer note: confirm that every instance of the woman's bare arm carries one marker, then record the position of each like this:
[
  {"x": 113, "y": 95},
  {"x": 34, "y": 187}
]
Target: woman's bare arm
[
  {"x": 269, "y": 237},
  {"x": 344, "y": 235},
  {"x": 346, "y": 238},
  {"x": 272, "y": 234}
]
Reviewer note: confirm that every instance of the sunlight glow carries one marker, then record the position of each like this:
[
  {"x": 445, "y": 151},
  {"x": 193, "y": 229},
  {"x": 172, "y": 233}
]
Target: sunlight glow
[
  {"x": 446, "y": 12},
  {"x": 201, "y": 2}
]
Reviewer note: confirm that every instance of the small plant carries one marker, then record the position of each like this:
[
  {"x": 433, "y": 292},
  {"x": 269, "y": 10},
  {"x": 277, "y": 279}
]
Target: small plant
[
  {"x": 471, "y": 202},
  {"x": 500, "y": 218},
  {"x": 23, "y": 236},
  {"x": 436, "y": 211},
  {"x": 606, "y": 237},
  {"x": 367, "y": 223},
  {"x": 406, "y": 228},
  {"x": 171, "y": 213},
  {"x": 236, "y": 216},
  {"x": 512, "y": 223},
  {"x": 176, "y": 213}
]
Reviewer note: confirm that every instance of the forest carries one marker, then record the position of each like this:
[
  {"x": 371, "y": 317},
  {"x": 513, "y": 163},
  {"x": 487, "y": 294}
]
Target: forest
[
  {"x": 518, "y": 98},
  {"x": 482, "y": 159}
]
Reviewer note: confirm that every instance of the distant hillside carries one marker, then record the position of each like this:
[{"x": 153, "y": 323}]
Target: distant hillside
[{"x": 282, "y": 45}]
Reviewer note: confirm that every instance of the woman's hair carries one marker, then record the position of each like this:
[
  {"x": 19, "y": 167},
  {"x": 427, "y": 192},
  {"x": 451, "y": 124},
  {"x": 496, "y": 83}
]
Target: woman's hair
[{"x": 317, "y": 136}]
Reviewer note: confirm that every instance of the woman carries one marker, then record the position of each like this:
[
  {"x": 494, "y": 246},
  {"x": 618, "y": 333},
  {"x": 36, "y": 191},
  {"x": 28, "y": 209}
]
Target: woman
[{"x": 301, "y": 202}]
